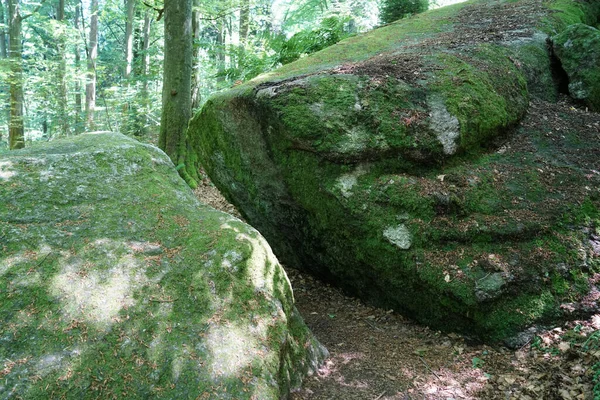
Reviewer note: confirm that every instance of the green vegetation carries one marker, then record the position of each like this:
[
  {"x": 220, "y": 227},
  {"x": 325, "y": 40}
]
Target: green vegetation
[{"x": 392, "y": 10}]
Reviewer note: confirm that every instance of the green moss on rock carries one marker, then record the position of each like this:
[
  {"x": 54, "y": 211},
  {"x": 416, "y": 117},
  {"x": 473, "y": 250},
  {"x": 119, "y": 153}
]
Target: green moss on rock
[
  {"x": 578, "y": 49},
  {"x": 115, "y": 282},
  {"x": 406, "y": 174}
]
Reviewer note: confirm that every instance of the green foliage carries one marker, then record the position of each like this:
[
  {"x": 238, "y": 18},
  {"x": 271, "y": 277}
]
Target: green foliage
[
  {"x": 392, "y": 10},
  {"x": 132, "y": 105},
  {"x": 330, "y": 31},
  {"x": 477, "y": 362}
]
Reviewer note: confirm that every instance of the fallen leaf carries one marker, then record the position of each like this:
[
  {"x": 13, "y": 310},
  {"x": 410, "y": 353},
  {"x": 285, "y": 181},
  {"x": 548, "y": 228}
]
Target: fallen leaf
[{"x": 564, "y": 346}]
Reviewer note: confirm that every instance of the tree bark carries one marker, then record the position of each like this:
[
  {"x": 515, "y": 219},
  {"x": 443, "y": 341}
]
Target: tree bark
[
  {"x": 196, "y": 26},
  {"x": 16, "y": 131},
  {"x": 129, "y": 37},
  {"x": 176, "y": 93},
  {"x": 244, "y": 23},
  {"x": 78, "y": 102},
  {"x": 145, "y": 68},
  {"x": 3, "y": 56},
  {"x": 63, "y": 114},
  {"x": 243, "y": 32},
  {"x": 90, "y": 87},
  {"x": 3, "y": 52},
  {"x": 221, "y": 37}
]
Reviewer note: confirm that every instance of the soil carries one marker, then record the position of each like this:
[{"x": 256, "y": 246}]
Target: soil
[{"x": 377, "y": 354}]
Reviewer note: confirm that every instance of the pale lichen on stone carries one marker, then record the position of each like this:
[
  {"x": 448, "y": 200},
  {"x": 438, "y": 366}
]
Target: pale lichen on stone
[
  {"x": 399, "y": 236},
  {"x": 445, "y": 125},
  {"x": 347, "y": 181}
]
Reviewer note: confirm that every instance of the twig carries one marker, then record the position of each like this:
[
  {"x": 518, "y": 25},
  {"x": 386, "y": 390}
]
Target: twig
[
  {"x": 44, "y": 259},
  {"x": 159, "y": 10},
  {"x": 430, "y": 370},
  {"x": 23, "y": 18},
  {"x": 372, "y": 325},
  {"x": 526, "y": 343},
  {"x": 380, "y": 396}
]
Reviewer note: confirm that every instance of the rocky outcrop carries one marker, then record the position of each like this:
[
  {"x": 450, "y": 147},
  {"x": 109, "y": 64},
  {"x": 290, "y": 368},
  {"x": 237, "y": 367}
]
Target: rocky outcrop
[
  {"x": 578, "y": 49},
  {"x": 419, "y": 167},
  {"x": 115, "y": 282}
]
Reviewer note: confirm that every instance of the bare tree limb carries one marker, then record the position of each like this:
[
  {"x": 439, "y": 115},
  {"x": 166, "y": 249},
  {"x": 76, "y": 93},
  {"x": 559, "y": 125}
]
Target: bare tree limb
[
  {"x": 34, "y": 11},
  {"x": 159, "y": 10}
]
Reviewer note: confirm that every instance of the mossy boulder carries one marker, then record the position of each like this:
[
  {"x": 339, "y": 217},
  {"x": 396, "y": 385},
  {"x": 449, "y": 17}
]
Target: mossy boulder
[
  {"x": 115, "y": 282},
  {"x": 578, "y": 49},
  {"x": 407, "y": 166}
]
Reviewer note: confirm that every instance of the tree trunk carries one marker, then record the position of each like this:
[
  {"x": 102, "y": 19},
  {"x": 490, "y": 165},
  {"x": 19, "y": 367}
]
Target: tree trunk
[
  {"x": 221, "y": 36},
  {"x": 142, "y": 70},
  {"x": 16, "y": 131},
  {"x": 62, "y": 73},
  {"x": 244, "y": 23},
  {"x": 90, "y": 87},
  {"x": 196, "y": 98},
  {"x": 3, "y": 52},
  {"x": 3, "y": 55},
  {"x": 129, "y": 37},
  {"x": 145, "y": 68},
  {"x": 176, "y": 93},
  {"x": 78, "y": 102}
]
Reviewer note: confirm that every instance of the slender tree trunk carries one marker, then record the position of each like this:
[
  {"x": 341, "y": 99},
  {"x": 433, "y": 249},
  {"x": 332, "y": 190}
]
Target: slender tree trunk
[
  {"x": 129, "y": 37},
  {"x": 244, "y": 22},
  {"x": 244, "y": 27},
  {"x": 78, "y": 102},
  {"x": 145, "y": 54},
  {"x": 16, "y": 131},
  {"x": 142, "y": 67},
  {"x": 3, "y": 52},
  {"x": 176, "y": 93},
  {"x": 90, "y": 87},
  {"x": 3, "y": 56},
  {"x": 196, "y": 98},
  {"x": 62, "y": 72},
  {"x": 221, "y": 36}
]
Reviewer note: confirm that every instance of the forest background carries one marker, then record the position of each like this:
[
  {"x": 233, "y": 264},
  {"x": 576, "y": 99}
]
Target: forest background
[{"x": 68, "y": 66}]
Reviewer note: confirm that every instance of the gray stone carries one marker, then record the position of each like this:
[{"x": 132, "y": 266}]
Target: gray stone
[{"x": 115, "y": 282}]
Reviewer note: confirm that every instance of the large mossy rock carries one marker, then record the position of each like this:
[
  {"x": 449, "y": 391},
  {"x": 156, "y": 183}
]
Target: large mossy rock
[
  {"x": 578, "y": 49},
  {"x": 115, "y": 282},
  {"x": 398, "y": 165}
]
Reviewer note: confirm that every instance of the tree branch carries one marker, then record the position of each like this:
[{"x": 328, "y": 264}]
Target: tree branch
[
  {"x": 159, "y": 10},
  {"x": 34, "y": 11}
]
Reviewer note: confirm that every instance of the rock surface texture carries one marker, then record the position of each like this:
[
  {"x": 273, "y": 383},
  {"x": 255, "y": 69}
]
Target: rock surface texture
[
  {"x": 115, "y": 282},
  {"x": 398, "y": 164},
  {"x": 578, "y": 49}
]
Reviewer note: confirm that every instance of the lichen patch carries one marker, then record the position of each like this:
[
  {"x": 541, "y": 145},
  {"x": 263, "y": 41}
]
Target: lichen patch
[
  {"x": 445, "y": 126},
  {"x": 399, "y": 236},
  {"x": 347, "y": 181}
]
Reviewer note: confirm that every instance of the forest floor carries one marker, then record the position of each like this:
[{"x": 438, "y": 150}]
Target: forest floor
[{"x": 376, "y": 354}]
